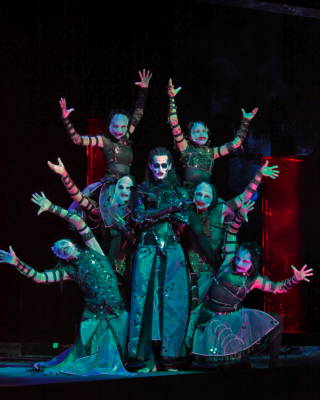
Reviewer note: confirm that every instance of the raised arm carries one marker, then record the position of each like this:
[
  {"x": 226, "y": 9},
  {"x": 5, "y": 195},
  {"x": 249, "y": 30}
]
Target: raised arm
[
  {"x": 266, "y": 285},
  {"x": 230, "y": 245},
  {"x": 241, "y": 135},
  {"x": 47, "y": 276},
  {"x": 74, "y": 135},
  {"x": 73, "y": 218},
  {"x": 177, "y": 133},
  {"x": 145, "y": 76},
  {"x": 86, "y": 203},
  {"x": 265, "y": 171}
]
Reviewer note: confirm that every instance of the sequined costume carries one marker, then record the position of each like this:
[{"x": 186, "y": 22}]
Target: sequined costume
[
  {"x": 223, "y": 330},
  {"x": 120, "y": 239},
  {"x": 160, "y": 287},
  {"x": 198, "y": 160},
  {"x": 118, "y": 153},
  {"x": 100, "y": 346},
  {"x": 116, "y": 238},
  {"x": 210, "y": 226}
]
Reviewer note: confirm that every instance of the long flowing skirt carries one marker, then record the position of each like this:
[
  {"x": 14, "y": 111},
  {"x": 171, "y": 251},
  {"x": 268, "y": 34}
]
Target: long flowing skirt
[
  {"x": 98, "y": 349},
  {"x": 229, "y": 335}
]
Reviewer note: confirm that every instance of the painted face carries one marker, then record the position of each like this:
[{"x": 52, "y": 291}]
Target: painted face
[
  {"x": 118, "y": 126},
  {"x": 243, "y": 261},
  {"x": 65, "y": 249},
  {"x": 199, "y": 134},
  {"x": 123, "y": 190},
  {"x": 203, "y": 196},
  {"x": 160, "y": 167}
]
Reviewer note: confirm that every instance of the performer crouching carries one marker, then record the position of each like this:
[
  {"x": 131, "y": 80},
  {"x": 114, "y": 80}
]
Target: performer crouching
[
  {"x": 225, "y": 331},
  {"x": 101, "y": 342}
]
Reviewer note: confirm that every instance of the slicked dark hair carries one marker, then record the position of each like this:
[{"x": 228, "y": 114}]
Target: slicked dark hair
[
  {"x": 159, "y": 151},
  {"x": 162, "y": 151}
]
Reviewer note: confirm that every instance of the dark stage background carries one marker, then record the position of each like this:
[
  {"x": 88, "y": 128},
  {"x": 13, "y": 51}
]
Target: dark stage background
[{"x": 224, "y": 58}]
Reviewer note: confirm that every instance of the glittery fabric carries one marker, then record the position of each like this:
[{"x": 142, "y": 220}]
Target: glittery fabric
[
  {"x": 212, "y": 224},
  {"x": 204, "y": 250},
  {"x": 118, "y": 155},
  {"x": 101, "y": 343},
  {"x": 97, "y": 349},
  {"x": 223, "y": 328},
  {"x": 98, "y": 283},
  {"x": 159, "y": 302},
  {"x": 115, "y": 242},
  {"x": 232, "y": 333},
  {"x": 197, "y": 163},
  {"x": 201, "y": 277},
  {"x": 160, "y": 287}
]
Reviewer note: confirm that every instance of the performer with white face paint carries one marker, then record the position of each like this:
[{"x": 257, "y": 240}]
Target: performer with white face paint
[
  {"x": 111, "y": 215},
  {"x": 203, "y": 196},
  {"x": 224, "y": 331},
  {"x": 209, "y": 219},
  {"x": 100, "y": 347},
  {"x": 116, "y": 146},
  {"x": 160, "y": 290},
  {"x": 197, "y": 157}
]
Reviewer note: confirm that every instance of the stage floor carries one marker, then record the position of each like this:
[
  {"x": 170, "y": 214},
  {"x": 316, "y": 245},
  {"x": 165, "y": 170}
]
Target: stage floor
[
  {"x": 299, "y": 375},
  {"x": 19, "y": 372}
]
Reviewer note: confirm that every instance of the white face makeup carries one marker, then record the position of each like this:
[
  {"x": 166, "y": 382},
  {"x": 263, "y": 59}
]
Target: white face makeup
[
  {"x": 203, "y": 196},
  {"x": 65, "y": 249},
  {"x": 123, "y": 190},
  {"x": 118, "y": 126},
  {"x": 160, "y": 167},
  {"x": 243, "y": 262},
  {"x": 199, "y": 134}
]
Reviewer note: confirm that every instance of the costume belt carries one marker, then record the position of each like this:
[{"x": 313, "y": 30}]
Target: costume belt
[{"x": 150, "y": 239}]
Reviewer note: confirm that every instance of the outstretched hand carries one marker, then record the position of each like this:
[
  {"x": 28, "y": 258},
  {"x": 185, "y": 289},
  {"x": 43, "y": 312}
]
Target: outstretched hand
[
  {"x": 64, "y": 111},
  {"x": 303, "y": 273},
  {"x": 249, "y": 115},
  {"x": 145, "y": 77},
  {"x": 172, "y": 92},
  {"x": 246, "y": 208},
  {"x": 8, "y": 258},
  {"x": 41, "y": 201},
  {"x": 272, "y": 172},
  {"x": 57, "y": 168}
]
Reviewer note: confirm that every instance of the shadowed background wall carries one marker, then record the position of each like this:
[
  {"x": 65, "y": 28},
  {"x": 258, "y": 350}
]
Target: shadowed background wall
[{"x": 224, "y": 58}]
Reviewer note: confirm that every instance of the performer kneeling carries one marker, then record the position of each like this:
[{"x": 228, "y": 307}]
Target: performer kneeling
[
  {"x": 223, "y": 330},
  {"x": 101, "y": 342}
]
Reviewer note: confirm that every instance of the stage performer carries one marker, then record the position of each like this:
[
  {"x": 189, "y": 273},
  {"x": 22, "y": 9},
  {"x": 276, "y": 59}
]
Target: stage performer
[
  {"x": 111, "y": 216},
  {"x": 208, "y": 220},
  {"x": 224, "y": 331},
  {"x": 100, "y": 347},
  {"x": 160, "y": 287},
  {"x": 197, "y": 157},
  {"x": 116, "y": 145}
]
